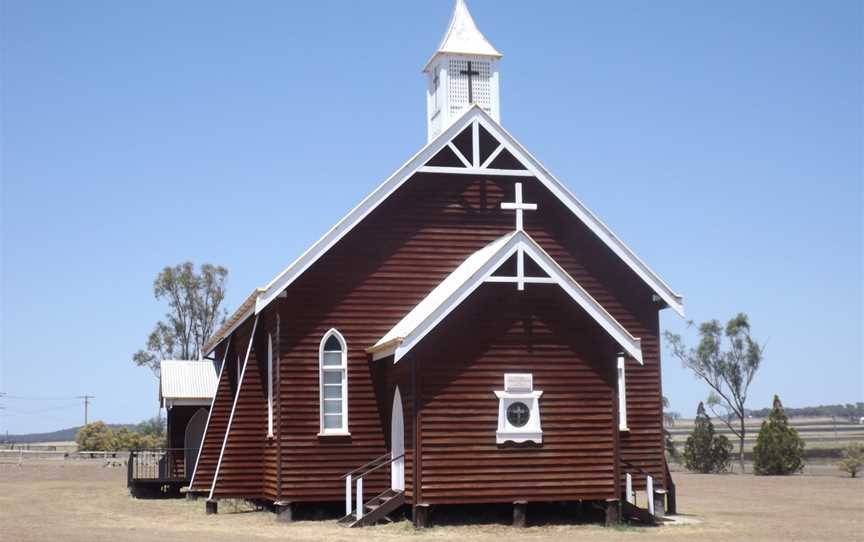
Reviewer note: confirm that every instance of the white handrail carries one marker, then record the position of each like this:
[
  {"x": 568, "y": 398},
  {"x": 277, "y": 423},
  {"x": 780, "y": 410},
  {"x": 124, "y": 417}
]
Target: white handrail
[
  {"x": 649, "y": 489},
  {"x": 365, "y": 470},
  {"x": 359, "y": 514},
  {"x": 348, "y": 495},
  {"x": 631, "y": 498}
]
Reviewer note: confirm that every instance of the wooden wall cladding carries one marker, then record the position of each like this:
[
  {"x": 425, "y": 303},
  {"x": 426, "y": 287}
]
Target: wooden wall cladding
[
  {"x": 211, "y": 445},
  {"x": 460, "y": 364},
  {"x": 380, "y": 271},
  {"x": 240, "y": 474}
]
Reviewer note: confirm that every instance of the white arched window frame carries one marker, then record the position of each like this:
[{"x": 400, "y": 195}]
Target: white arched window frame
[
  {"x": 333, "y": 383},
  {"x": 269, "y": 384}
]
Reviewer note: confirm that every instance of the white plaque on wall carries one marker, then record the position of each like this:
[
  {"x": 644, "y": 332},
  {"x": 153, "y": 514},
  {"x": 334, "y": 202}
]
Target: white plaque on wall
[{"x": 518, "y": 383}]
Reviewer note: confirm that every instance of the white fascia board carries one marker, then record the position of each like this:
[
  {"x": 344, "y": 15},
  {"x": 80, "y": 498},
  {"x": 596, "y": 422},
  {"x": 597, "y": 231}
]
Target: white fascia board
[
  {"x": 619, "y": 334},
  {"x": 201, "y": 401},
  {"x": 240, "y": 314},
  {"x": 446, "y": 306},
  {"x": 358, "y": 213},
  {"x": 591, "y": 220},
  {"x": 241, "y": 317}
]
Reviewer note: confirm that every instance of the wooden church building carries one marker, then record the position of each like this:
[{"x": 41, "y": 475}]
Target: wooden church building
[{"x": 469, "y": 333}]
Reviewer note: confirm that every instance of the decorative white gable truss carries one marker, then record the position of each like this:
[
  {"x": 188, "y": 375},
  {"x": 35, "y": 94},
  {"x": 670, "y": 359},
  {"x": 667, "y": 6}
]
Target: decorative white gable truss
[
  {"x": 478, "y": 269},
  {"x": 508, "y": 153}
]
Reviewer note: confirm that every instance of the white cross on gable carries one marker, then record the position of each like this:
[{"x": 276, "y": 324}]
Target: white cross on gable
[{"x": 519, "y": 206}]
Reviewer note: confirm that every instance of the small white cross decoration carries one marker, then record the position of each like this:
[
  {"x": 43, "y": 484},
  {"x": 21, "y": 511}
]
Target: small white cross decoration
[{"x": 519, "y": 206}]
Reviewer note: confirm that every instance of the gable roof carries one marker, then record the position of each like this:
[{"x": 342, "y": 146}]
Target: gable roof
[
  {"x": 473, "y": 118},
  {"x": 476, "y": 270},
  {"x": 182, "y": 379},
  {"x": 463, "y": 37}
]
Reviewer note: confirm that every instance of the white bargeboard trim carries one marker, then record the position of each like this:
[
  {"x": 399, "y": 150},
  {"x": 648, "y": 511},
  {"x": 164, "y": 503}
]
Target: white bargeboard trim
[
  {"x": 533, "y": 168},
  {"x": 476, "y": 270}
]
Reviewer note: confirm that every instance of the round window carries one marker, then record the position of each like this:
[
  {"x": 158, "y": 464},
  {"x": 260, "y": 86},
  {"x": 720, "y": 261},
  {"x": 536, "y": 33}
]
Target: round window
[{"x": 518, "y": 414}]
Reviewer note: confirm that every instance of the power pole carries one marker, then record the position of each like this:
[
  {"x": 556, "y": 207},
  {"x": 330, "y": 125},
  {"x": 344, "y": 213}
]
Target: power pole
[{"x": 86, "y": 404}]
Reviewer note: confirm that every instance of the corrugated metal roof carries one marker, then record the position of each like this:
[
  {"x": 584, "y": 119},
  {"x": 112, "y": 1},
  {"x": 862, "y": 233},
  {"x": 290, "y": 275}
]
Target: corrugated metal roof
[{"x": 182, "y": 379}]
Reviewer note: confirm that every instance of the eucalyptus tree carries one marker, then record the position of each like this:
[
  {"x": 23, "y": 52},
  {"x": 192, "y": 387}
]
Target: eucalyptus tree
[
  {"x": 194, "y": 312},
  {"x": 727, "y": 359}
]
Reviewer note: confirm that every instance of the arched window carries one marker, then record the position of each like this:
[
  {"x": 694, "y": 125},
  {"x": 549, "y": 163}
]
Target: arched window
[{"x": 333, "y": 368}]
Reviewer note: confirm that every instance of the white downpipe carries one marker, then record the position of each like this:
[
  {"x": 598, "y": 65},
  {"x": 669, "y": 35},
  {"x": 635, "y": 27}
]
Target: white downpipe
[
  {"x": 359, "y": 515},
  {"x": 348, "y": 495},
  {"x": 622, "y": 395}
]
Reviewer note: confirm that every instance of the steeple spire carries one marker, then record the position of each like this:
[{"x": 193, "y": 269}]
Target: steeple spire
[
  {"x": 463, "y": 71},
  {"x": 463, "y": 37}
]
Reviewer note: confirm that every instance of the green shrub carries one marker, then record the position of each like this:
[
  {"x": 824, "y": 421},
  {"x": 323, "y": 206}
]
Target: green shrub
[
  {"x": 705, "y": 451},
  {"x": 779, "y": 450},
  {"x": 853, "y": 459},
  {"x": 96, "y": 436}
]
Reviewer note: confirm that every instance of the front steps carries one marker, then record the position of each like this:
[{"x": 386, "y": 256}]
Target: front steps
[
  {"x": 375, "y": 509},
  {"x": 632, "y": 513}
]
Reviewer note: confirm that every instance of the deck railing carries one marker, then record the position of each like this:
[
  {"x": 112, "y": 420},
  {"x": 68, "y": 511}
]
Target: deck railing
[{"x": 167, "y": 464}]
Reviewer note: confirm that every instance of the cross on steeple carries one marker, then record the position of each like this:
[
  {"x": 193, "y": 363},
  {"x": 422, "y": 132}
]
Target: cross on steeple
[
  {"x": 519, "y": 206},
  {"x": 470, "y": 73}
]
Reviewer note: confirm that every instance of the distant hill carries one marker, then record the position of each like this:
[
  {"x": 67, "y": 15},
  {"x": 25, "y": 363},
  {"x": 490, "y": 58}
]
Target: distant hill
[
  {"x": 848, "y": 411},
  {"x": 55, "y": 436}
]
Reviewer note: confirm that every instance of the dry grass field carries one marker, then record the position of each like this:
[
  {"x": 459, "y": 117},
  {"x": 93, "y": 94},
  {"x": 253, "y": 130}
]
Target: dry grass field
[{"x": 84, "y": 501}]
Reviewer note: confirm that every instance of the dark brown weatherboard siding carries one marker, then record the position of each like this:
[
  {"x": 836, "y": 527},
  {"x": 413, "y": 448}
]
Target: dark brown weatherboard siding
[
  {"x": 500, "y": 330},
  {"x": 211, "y": 445},
  {"x": 241, "y": 471},
  {"x": 376, "y": 274},
  {"x": 629, "y": 300}
]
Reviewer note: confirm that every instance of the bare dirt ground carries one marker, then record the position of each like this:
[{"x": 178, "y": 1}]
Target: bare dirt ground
[{"x": 84, "y": 501}]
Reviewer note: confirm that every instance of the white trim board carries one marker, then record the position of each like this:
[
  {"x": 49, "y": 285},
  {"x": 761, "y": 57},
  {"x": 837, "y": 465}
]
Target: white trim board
[
  {"x": 200, "y": 401},
  {"x": 210, "y": 412},
  {"x": 233, "y": 408},
  {"x": 476, "y": 270},
  {"x": 533, "y": 167}
]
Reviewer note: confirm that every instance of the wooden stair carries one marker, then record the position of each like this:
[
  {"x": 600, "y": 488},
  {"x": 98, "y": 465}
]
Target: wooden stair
[
  {"x": 631, "y": 512},
  {"x": 375, "y": 509}
]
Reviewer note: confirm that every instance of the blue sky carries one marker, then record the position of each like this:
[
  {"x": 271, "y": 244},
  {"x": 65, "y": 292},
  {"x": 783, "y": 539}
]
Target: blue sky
[{"x": 722, "y": 141}]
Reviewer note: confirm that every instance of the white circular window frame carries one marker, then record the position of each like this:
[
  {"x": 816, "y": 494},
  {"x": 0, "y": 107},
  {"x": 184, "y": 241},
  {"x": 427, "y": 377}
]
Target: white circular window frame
[{"x": 531, "y": 431}]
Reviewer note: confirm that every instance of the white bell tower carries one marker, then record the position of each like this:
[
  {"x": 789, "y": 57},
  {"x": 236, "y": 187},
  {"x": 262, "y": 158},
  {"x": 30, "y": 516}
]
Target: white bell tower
[{"x": 463, "y": 71}]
